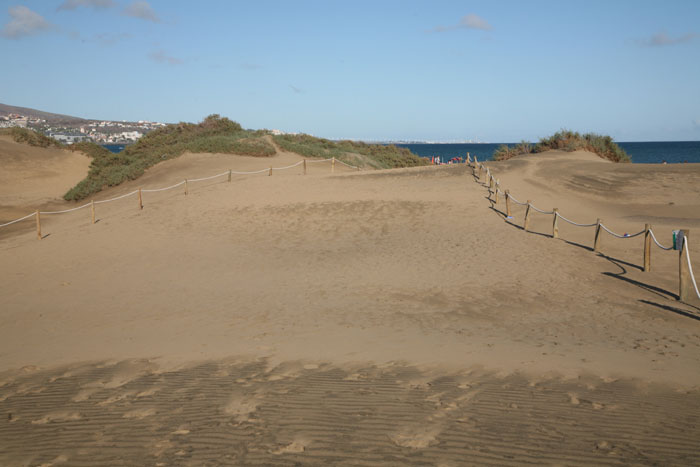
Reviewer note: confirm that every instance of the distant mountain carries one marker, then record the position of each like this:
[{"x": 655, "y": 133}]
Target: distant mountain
[{"x": 49, "y": 117}]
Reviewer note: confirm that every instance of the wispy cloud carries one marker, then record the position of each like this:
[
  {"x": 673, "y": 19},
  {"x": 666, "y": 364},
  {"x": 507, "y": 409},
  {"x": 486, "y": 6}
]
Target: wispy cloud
[
  {"x": 24, "y": 22},
  {"x": 74, "y": 4},
  {"x": 250, "y": 66},
  {"x": 471, "y": 21},
  {"x": 141, "y": 10},
  {"x": 159, "y": 56},
  {"x": 662, "y": 39},
  {"x": 296, "y": 90}
]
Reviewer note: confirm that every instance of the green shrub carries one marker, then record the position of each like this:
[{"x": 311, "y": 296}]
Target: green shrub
[
  {"x": 505, "y": 152},
  {"x": 213, "y": 134},
  {"x": 567, "y": 140},
  {"x": 30, "y": 137},
  {"x": 381, "y": 155}
]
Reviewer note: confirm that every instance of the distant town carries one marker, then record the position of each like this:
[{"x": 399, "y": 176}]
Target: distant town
[{"x": 96, "y": 131}]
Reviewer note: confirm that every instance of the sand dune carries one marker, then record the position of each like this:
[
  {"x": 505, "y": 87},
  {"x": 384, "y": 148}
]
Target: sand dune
[
  {"x": 353, "y": 318},
  {"x": 32, "y": 177}
]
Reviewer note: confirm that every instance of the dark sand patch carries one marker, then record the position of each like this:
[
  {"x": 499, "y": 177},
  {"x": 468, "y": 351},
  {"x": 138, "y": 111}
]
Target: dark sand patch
[{"x": 291, "y": 414}]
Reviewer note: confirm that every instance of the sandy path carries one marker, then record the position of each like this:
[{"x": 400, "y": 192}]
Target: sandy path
[{"x": 295, "y": 318}]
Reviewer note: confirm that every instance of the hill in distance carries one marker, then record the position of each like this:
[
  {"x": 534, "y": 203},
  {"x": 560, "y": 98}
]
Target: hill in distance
[{"x": 33, "y": 113}]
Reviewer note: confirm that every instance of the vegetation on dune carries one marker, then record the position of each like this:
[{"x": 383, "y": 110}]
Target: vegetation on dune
[
  {"x": 30, "y": 137},
  {"x": 566, "y": 140},
  {"x": 213, "y": 134},
  {"x": 378, "y": 155}
]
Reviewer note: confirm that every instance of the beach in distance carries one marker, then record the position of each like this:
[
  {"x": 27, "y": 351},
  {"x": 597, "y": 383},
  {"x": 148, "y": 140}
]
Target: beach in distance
[{"x": 291, "y": 310}]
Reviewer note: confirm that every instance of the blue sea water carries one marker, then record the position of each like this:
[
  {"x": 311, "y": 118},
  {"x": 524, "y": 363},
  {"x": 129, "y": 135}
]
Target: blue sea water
[
  {"x": 114, "y": 147},
  {"x": 640, "y": 152}
]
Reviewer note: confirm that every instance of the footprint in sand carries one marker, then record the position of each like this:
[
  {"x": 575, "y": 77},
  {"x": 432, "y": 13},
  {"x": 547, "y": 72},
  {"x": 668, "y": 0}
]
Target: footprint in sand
[
  {"x": 418, "y": 437},
  {"x": 241, "y": 408},
  {"x": 139, "y": 413},
  {"x": 58, "y": 460},
  {"x": 294, "y": 447},
  {"x": 57, "y": 417}
]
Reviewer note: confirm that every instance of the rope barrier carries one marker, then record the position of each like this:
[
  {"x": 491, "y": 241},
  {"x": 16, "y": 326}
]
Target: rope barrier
[
  {"x": 250, "y": 173},
  {"x": 346, "y": 164},
  {"x": 166, "y": 188},
  {"x": 653, "y": 237},
  {"x": 686, "y": 246},
  {"x": 206, "y": 178},
  {"x": 539, "y": 210},
  {"x": 516, "y": 201},
  {"x": 154, "y": 190},
  {"x": 288, "y": 167},
  {"x": 66, "y": 210},
  {"x": 690, "y": 266},
  {"x": 20, "y": 219},
  {"x": 621, "y": 236},
  {"x": 575, "y": 223},
  {"x": 321, "y": 160},
  {"x": 118, "y": 197}
]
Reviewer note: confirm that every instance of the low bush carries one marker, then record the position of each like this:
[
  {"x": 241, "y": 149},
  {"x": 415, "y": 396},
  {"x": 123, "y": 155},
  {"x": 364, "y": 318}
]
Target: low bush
[
  {"x": 381, "y": 155},
  {"x": 30, "y": 137},
  {"x": 567, "y": 140},
  {"x": 213, "y": 134}
]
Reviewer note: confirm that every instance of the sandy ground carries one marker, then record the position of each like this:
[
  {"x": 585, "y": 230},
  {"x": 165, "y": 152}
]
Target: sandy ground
[
  {"x": 353, "y": 318},
  {"x": 33, "y": 177}
]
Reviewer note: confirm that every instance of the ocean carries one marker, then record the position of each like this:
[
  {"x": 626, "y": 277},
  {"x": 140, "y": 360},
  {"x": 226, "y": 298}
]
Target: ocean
[{"x": 641, "y": 153}]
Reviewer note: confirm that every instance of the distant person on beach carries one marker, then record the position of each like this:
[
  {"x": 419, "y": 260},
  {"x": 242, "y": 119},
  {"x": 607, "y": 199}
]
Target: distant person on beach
[{"x": 663, "y": 162}]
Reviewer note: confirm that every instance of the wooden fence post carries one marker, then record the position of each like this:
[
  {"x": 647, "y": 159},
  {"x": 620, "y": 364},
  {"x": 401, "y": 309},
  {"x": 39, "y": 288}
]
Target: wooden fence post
[
  {"x": 140, "y": 200},
  {"x": 555, "y": 223},
  {"x": 508, "y": 204},
  {"x": 480, "y": 169},
  {"x": 270, "y": 173},
  {"x": 333, "y": 165},
  {"x": 186, "y": 187},
  {"x": 229, "y": 175},
  {"x": 496, "y": 191},
  {"x": 526, "y": 224},
  {"x": 596, "y": 241},
  {"x": 304, "y": 166},
  {"x": 92, "y": 208},
  {"x": 684, "y": 281},
  {"x": 38, "y": 225},
  {"x": 647, "y": 247}
]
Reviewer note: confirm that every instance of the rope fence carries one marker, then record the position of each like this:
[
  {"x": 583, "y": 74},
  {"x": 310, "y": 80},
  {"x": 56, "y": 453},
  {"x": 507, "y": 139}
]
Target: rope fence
[
  {"x": 37, "y": 214},
  {"x": 686, "y": 276}
]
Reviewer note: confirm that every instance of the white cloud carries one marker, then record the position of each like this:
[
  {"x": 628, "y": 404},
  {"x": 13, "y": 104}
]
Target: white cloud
[
  {"x": 470, "y": 21},
  {"x": 662, "y": 39},
  {"x": 74, "y": 4},
  {"x": 141, "y": 10},
  {"x": 159, "y": 56},
  {"x": 24, "y": 22},
  {"x": 475, "y": 22}
]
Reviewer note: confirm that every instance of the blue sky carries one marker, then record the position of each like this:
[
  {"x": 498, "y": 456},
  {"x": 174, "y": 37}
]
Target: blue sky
[{"x": 432, "y": 70}]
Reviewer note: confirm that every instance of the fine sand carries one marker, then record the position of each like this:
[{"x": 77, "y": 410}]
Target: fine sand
[
  {"x": 32, "y": 177},
  {"x": 354, "y": 318}
]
